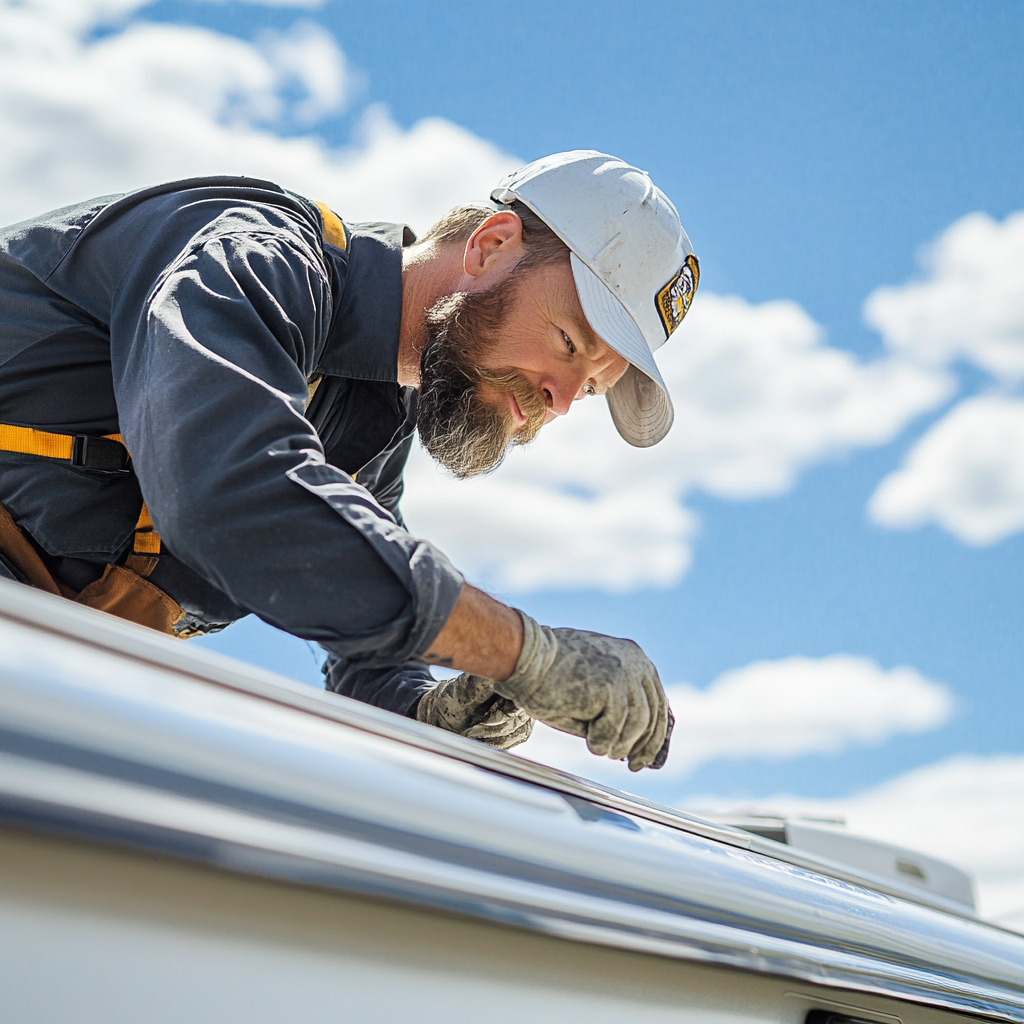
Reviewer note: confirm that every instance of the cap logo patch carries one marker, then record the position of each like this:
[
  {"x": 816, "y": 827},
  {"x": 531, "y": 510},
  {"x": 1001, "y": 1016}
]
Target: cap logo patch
[{"x": 673, "y": 301}]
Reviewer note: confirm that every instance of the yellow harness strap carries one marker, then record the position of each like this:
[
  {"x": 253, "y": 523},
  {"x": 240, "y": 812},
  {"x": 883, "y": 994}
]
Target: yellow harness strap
[
  {"x": 334, "y": 230},
  {"x": 146, "y": 546},
  {"x": 35, "y": 442},
  {"x": 28, "y": 441}
]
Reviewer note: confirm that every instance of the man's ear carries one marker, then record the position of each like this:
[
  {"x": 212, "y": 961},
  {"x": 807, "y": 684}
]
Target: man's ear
[{"x": 495, "y": 245}]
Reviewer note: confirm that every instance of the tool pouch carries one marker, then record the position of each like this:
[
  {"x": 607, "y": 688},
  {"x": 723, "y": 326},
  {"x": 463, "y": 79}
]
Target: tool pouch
[
  {"x": 119, "y": 591},
  {"x": 127, "y": 595}
]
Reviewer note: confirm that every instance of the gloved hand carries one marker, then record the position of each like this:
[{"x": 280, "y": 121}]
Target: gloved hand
[
  {"x": 469, "y": 706},
  {"x": 599, "y": 687}
]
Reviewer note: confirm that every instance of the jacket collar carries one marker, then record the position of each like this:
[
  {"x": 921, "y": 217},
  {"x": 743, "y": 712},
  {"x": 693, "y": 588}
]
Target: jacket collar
[{"x": 362, "y": 343}]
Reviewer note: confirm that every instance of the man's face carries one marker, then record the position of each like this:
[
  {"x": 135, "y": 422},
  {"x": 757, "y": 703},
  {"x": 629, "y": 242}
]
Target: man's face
[{"x": 501, "y": 363}]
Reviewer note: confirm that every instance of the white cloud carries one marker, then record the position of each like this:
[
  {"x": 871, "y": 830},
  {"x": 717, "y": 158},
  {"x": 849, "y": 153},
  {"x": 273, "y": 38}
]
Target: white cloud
[
  {"x": 759, "y": 394},
  {"x": 63, "y": 16},
  {"x": 83, "y": 115},
  {"x": 970, "y": 303},
  {"x": 525, "y": 533},
  {"x": 966, "y": 474},
  {"x": 759, "y": 397},
  {"x": 774, "y": 710},
  {"x": 966, "y": 810},
  {"x": 310, "y": 57}
]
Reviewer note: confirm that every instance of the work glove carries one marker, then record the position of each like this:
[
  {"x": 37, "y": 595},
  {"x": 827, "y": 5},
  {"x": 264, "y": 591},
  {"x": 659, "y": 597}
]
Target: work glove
[
  {"x": 469, "y": 706},
  {"x": 599, "y": 687}
]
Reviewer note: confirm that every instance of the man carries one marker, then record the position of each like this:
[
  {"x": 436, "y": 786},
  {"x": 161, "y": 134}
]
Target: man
[{"x": 266, "y": 364}]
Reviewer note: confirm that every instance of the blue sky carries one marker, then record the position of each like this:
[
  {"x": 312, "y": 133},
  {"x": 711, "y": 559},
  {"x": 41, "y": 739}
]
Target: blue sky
[{"x": 814, "y": 151}]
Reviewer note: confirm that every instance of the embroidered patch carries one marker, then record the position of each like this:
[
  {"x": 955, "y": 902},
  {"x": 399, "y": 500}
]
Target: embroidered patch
[{"x": 674, "y": 299}]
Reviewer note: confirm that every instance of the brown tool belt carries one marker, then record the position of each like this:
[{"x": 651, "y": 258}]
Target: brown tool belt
[{"x": 122, "y": 590}]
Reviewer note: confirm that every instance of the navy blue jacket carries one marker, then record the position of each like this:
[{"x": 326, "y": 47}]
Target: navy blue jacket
[{"x": 191, "y": 318}]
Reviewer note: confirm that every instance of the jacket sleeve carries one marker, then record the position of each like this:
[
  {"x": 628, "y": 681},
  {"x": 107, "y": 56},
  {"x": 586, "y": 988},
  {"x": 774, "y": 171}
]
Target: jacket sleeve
[
  {"x": 389, "y": 481},
  {"x": 210, "y": 380},
  {"x": 393, "y": 689}
]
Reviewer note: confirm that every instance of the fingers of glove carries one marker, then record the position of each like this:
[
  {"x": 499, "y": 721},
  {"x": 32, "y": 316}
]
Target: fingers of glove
[
  {"x": 604, "y": 730},
  {"x": 458, "y": 703},
  {"x": 645, "y": 754},
  {"x": 519, "y": 732},
  {"x": 508, "y": 734},
  {"x": 649, "y": 753},
  {"x": 634, "y": 723},
  {"x": 650, "y": 741},
  {"x": 499, "y": 723},
  {"x": 640, "y": 722},
  {"x": 644, "y": 697},
  {"x": 522, "y": 733},
  {"x": 470, "y": 691},
  {"x": 662, "y": 757}
]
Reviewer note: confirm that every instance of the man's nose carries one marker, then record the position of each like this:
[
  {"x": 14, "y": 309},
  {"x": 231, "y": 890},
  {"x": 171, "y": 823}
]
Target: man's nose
[{"x": 559, "y": 396}]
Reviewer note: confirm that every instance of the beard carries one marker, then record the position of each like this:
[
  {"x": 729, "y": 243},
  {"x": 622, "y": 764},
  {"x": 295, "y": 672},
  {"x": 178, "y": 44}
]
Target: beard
[{"x": 463, "y": 431}]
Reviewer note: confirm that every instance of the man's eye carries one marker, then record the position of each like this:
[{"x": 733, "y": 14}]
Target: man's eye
[{"x": 568, "y": 343}]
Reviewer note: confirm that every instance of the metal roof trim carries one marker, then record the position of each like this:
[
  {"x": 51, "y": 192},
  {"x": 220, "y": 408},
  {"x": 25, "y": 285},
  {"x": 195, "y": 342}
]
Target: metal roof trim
[
  {"x": 53, "y": 614},
  {"x": 117, "y": 762}
]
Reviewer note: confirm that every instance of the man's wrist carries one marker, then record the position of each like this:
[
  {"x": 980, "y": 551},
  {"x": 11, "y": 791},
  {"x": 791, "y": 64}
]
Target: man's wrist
[{"x": 482, "y": 637}]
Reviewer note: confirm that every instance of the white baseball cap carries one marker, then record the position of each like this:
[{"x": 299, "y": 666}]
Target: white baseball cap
[{"x": 633, "y": 265}]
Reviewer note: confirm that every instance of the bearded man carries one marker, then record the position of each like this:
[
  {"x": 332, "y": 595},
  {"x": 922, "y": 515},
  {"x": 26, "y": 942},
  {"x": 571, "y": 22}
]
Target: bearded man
[{"x": 209, "y": 389}]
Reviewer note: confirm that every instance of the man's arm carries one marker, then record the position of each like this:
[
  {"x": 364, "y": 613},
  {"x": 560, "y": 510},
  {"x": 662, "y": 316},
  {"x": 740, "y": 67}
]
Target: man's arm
[
  {"x": 482, "y": 637},
  {"x": 602, "y": 688},
  {"x": 210, "y": 375}
]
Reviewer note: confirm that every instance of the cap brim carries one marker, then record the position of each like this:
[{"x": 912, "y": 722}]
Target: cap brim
[
  {"x": 639, "y": 402},
  {"x": 641, "y": 409}
]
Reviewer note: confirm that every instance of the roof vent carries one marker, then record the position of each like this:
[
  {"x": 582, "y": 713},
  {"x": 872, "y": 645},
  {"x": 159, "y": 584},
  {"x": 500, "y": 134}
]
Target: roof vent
[{"x": 828, "y": 838}]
